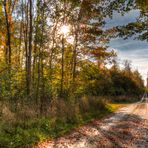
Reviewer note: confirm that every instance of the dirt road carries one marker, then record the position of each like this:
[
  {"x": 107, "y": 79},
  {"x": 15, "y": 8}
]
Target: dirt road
[{"x": 127, "y": 128}]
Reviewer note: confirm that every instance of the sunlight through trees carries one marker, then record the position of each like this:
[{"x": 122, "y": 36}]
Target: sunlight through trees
[{"x": 55, "y": 52}]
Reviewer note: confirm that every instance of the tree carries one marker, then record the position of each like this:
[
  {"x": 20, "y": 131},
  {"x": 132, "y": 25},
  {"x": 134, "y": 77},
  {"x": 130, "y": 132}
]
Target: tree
[
  {"x": 43, "y": 63},
  {"x": 138, "y": 29}
]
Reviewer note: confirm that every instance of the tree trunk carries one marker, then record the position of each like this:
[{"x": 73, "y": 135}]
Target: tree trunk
[
  {"x": 8, "y": 28},
  {"x": 62, "y": 68},
  {"x": 29, "y": 48}
]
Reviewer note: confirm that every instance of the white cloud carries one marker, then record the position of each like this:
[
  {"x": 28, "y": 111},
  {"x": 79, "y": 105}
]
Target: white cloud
[{"x": 130, "y": 49}]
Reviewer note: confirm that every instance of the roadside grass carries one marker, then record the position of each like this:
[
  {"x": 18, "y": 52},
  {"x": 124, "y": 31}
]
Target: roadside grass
[
  {"x": 38, "y": 130},
  {"x": 115, "y": 106}
]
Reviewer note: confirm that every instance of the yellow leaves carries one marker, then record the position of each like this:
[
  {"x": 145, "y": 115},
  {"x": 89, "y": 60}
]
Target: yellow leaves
[
  {"x": 143, "y": 5},
  {"x": 2, "y": 41}
]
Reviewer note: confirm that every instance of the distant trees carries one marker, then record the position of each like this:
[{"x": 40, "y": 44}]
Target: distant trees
[
  {"x": 112, "y": 82},
  {"x": 126, "y": 81}
]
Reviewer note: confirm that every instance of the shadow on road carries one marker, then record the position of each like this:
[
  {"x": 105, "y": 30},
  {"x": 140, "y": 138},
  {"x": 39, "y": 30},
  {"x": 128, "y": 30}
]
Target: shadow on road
[
  {"x": 120, "y": 130},
  {"x": 130, "y": 131}
]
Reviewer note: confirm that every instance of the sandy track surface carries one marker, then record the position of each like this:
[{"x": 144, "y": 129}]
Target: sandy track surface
[{"x": 127, "y": 128}]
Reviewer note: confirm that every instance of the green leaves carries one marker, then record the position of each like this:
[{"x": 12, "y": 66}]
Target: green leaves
[{"x": 137, "y": 29}]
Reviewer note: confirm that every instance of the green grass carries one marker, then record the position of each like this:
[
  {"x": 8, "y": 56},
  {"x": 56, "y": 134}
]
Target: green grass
[{"x": 26, "y": 135}]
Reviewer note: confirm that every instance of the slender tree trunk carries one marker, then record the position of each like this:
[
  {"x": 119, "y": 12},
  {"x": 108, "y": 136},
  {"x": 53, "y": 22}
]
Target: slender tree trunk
[
  {"x": 38, "y": 79},
  {"x": 62, "y": 67},
  {"x": 75, "y": 58},
  {"x": 29, "y": 48},
  {"x": 8, "y": 42},
  {"x": 34, "y": 57},
  {"x": 21, "y": 34},
  {"x": 52, "y": 48},
  {"x": 8, "y": 28},
  {"x": 26, "y": 45}
]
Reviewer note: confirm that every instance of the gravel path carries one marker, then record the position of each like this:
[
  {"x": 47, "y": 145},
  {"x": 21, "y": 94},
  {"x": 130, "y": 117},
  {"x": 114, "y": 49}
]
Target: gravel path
[{"x": 127, "y": 128}]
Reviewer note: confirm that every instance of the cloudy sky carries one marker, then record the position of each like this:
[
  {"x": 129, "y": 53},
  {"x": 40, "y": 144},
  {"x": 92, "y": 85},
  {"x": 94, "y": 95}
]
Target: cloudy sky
[{"x": 134, "y": 50}]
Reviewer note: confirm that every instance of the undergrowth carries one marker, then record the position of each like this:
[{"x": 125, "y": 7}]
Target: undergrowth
[{"x": 27, "y": 134}]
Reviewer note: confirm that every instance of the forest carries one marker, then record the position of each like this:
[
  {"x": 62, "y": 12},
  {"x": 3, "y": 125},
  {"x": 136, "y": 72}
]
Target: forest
[{"x": 56, "y": 68}]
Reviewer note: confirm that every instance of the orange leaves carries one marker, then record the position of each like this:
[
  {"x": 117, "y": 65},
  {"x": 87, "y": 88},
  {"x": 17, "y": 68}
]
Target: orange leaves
[{"x": 98, "y": 52}]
